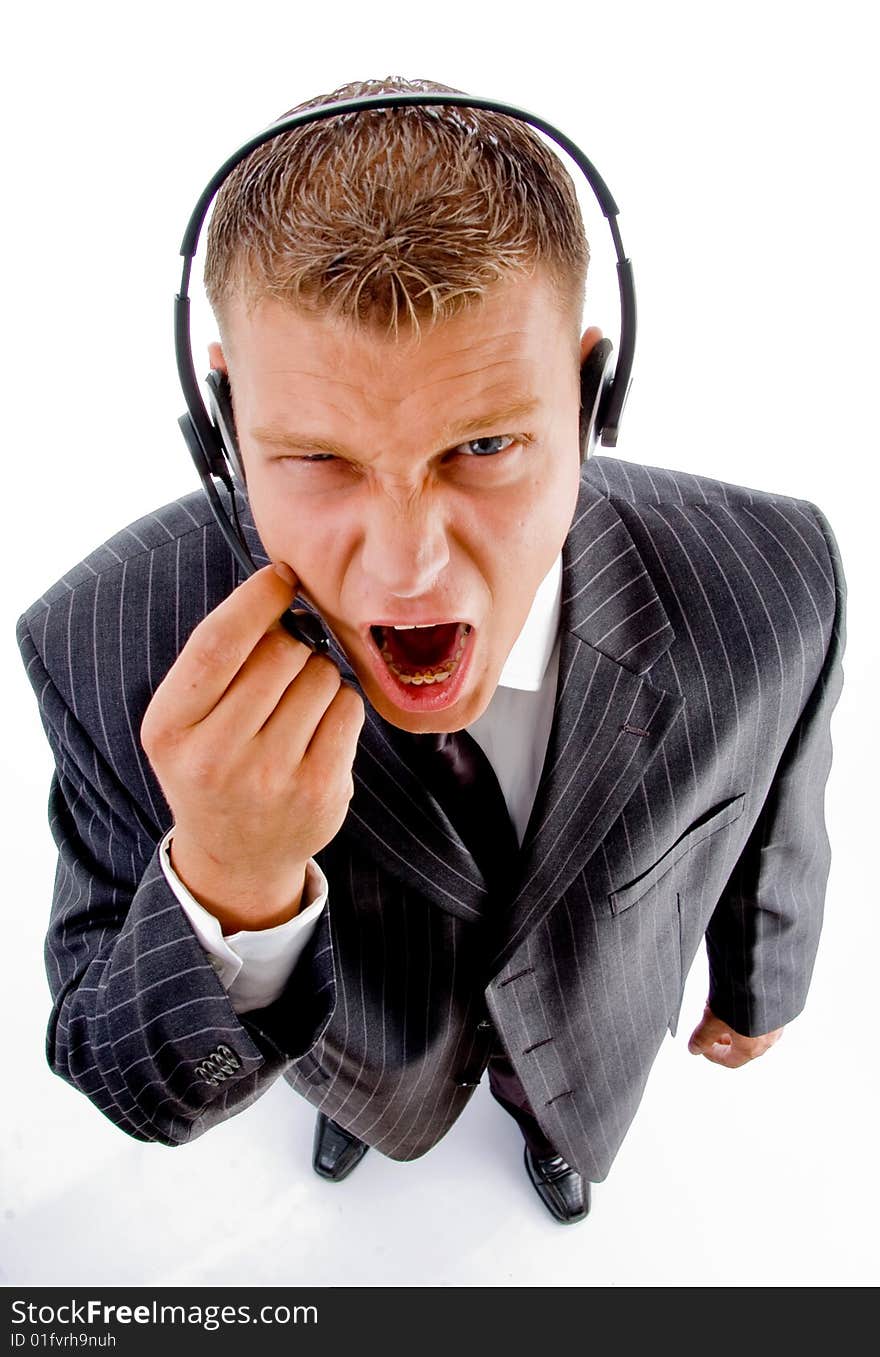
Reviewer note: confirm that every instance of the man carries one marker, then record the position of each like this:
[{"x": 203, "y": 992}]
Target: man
[{"x": 268, "y": 862}]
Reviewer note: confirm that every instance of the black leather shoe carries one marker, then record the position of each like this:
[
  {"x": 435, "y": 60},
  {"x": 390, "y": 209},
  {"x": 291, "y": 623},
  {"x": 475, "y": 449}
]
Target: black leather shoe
[
  {"x": 561, "y": 1188},
  {"x": 336, "y": 1152}
]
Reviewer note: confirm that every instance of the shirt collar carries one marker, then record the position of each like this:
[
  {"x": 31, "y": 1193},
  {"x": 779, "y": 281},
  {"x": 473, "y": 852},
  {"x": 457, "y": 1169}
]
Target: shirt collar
[{"x": 527, "y": 662}]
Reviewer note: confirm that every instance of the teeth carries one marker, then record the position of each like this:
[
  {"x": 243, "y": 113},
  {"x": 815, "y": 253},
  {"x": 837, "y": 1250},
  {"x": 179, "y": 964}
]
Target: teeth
[
  {"x": 419, "y": 626},
  {"x": 419, "y": 678}
]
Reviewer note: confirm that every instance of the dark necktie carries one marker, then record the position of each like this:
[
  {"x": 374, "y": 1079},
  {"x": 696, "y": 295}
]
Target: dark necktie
[
  {"x": 463, "y": 781},
  {"x": 455, "y": 769}
]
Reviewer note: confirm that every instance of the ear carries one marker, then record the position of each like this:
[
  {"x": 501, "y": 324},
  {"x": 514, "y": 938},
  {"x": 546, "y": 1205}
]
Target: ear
[
  {"x": 223, "y": 414},
  {"x": 589, "y": 339},
  {"x": 595, "y": 354},
  {"x": 215, "y": 355}
]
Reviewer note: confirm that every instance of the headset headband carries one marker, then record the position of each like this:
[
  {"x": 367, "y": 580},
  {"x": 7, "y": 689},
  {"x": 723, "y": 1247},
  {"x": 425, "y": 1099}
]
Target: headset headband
[{"x": 609, "y": 415}]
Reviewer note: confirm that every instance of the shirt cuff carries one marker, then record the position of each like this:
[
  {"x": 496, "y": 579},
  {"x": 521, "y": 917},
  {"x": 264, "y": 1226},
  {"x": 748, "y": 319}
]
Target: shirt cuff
[{"x": 253, "y": 965}]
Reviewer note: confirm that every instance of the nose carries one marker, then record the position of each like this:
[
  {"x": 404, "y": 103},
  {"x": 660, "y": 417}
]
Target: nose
[{"x": 405, "y": 547}]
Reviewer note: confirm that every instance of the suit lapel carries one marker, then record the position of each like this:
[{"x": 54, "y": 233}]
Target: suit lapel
[
  {"x": 609, "y": 723},
  {"x": 609, "y": 720}
]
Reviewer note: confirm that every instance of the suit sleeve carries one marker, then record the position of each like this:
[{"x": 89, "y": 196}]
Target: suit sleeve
[
  {"x": 254, "y": 965},
  {"x": 764, "y": 933},
  {"x": 140, "y": 1022}
]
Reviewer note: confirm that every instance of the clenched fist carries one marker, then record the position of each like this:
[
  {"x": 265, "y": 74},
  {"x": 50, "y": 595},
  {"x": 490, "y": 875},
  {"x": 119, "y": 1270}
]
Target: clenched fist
[
  {"x": 252, "y": 738},
  {"x": 718, "y": 1042}
]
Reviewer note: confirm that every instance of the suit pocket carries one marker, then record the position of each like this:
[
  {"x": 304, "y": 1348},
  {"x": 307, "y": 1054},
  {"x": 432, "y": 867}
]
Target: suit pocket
[{"x": 710, "y": 823}]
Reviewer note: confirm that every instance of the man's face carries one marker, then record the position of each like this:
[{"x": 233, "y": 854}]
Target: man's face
[{"x": 425, "y": 484}]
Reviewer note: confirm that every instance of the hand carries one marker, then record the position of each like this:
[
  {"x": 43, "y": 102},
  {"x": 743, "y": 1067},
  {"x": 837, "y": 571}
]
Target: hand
[
  {"x": 252, "y": 738},
  {"x": 719, "y": 1043}
]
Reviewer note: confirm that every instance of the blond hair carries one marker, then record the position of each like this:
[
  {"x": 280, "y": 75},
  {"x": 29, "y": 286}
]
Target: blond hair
[{"x": 394, "y": 216}]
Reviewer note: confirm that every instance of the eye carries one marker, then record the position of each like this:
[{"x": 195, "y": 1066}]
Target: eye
[
  {"x": 482, "y": 447},
  {"x": 309, "y": 458}
]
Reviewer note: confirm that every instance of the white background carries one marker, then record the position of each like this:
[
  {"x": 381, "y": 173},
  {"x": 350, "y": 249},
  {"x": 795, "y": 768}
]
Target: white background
[{"x": 740, "y": 143}]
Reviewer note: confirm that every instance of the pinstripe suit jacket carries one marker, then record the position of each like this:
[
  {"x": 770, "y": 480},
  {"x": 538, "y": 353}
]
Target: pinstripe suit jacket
[{"x": 682, "y": 796}]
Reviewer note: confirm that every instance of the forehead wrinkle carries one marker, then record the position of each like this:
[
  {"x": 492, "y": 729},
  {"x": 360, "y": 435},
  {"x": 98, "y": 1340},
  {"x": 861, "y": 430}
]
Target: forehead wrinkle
[
  {"x": 475, "y": 394},
  {"x": 319, "y": 376},
  {"x": 472, "y": 372},
  {"x": 386, "y": 358},
  {"x": 372, "y": 396},
  {"x": 399, "y": 361}
]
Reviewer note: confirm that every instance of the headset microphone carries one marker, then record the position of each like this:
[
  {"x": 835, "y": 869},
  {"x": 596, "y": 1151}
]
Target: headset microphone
[{"x": 209, "y": 431}]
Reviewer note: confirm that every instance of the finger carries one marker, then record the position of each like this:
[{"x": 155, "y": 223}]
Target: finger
[
  {"x": 334, "y": 743},
  {"x": 217, "y": 648},
  {"x": 727, "y": 1054},
  {"x": 292, "y": 724},
  {"x": 708, "y": 1031},
  {"x": 276, "y": 662}
]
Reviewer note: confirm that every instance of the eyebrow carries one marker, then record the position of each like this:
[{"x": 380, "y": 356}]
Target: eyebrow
[{"x": 450, "y": 435}]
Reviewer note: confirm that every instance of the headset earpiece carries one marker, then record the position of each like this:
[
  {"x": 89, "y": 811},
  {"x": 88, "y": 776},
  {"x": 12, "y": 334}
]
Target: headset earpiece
[
  {"x": 597, "y": 371},
  {"x": 223, "y": 422}
]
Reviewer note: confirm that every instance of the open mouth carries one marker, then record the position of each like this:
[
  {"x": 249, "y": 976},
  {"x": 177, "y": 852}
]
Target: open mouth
[{"x": 419, "y": 655}]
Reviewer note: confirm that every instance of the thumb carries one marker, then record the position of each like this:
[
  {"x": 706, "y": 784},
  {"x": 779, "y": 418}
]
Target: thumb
[
  {"x": 709, "y": 1031},
  {"x": 283, "y": 569}
]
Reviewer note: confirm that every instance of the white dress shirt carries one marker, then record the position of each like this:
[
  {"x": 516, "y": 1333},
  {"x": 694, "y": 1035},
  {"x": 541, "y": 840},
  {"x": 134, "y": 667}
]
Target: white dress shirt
[{"x": 255, "y": 965}]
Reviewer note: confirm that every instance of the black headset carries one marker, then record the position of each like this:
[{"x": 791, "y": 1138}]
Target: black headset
[{"x": 211, "y": 437}]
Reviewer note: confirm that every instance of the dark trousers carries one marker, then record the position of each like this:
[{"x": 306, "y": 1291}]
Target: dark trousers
[{"x": 509, "y": 1092}]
